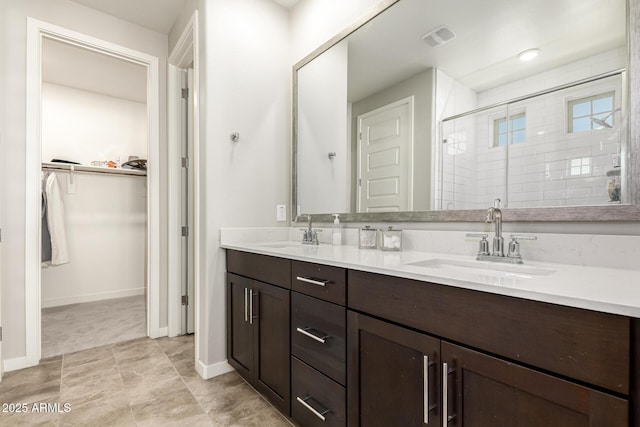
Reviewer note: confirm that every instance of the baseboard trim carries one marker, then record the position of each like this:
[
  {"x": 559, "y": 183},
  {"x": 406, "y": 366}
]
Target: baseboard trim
[
  {"x": 15, "y": 364},
  {"x": 210, "y": 371},
  {"x": 76, "y": 299}
]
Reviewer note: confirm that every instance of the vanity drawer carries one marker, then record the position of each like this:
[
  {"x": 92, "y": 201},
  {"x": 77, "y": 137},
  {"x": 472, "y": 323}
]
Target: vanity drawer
[
  {"x": 315, "y": 396},
  {"x": 589, "y": 346},
  {"x": 318, "y": 330},
  {"x": 268, "y": 269},
  {"x": 320, "y": 281}
]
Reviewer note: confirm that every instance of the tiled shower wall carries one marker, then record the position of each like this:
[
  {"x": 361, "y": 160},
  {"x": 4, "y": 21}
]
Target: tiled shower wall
[{"x": 539, "y": 169}]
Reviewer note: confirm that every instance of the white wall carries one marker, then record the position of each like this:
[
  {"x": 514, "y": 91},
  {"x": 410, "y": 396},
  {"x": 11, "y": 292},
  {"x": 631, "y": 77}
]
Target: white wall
[
  {"x": 78, "y": 18},
  {"x": 247, "y": 70},
  {"x": 322, "y": 128},
  {"x": 314, "y": 22},
  {"x": 105, "y": 220},
  {"x": 84, "y": 126}
]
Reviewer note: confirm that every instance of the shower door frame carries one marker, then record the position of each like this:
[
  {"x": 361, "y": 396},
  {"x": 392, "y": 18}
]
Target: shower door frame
[{"x": 36, "y": 31}]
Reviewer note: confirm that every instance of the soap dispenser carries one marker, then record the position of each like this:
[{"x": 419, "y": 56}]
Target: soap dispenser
[{"x": 337, "y": 233}]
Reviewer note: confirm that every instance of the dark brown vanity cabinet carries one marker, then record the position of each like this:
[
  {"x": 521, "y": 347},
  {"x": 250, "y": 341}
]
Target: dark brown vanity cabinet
[
  {"x": 258, "y": 319},
  {"x": 394, "y": 375},
  {"x": 318, "y": 345},
  {"x": 482, "y": 390},
  {"x": 519, "y": 362},
  {"x": 334, "y": 347}
]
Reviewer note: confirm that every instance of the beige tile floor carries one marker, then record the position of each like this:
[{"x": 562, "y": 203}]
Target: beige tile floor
[
  {"x": 141, "y": 382},
  {"x": 77, "y": 327}
]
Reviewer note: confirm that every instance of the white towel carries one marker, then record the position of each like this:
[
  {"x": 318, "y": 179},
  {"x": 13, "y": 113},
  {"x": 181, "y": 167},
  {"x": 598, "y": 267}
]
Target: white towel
[{"x": 55, "y": 220}]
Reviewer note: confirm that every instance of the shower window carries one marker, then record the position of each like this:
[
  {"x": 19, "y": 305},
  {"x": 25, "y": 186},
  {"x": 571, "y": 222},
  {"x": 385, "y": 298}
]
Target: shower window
[
  {"x": 515, "y": 133},
  {"x": 585, "y": 113}
]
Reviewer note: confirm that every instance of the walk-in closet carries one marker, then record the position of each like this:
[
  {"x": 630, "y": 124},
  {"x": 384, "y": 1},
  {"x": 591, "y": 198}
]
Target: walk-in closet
[{"x": 94, "y": 185}]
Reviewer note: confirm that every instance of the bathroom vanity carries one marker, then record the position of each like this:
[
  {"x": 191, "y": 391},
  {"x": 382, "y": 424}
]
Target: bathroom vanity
[{"x": 342, "y": 336}]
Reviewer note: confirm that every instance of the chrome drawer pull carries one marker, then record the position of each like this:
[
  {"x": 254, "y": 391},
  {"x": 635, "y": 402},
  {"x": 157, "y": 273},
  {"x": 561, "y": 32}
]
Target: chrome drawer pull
[
  {"x": 305, "y": 331},
  {"x": 313, "y": 281},
  {"x": 304, "y": 403}
]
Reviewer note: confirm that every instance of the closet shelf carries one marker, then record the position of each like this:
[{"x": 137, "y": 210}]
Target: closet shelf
[{"x": 91, "y": 169}]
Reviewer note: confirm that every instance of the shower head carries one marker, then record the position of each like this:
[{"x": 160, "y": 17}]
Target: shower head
[{"x": 603, "y": 121}]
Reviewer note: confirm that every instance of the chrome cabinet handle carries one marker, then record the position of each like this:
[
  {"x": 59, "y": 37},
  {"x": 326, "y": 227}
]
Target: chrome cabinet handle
[
  {"x": 246, "y": 306},
  {"x": 251, "y": 306},
  {"x": 304, "y": 403},
  {"x": 445, "y": 395},
  {"x": 313, "y": 281},
  {"x": 305, "y": 331},
  {"x": 425, "y": 373}
]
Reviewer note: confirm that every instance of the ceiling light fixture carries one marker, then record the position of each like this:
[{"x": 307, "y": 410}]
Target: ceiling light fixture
[{"x": 528, "y": 54}]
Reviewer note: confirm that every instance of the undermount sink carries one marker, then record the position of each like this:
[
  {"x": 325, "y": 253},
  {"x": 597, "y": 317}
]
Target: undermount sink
[{"x": 483, "y": 267}]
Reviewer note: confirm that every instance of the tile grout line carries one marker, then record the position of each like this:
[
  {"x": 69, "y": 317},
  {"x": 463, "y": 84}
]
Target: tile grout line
[
  {"x": 185, "y": 383},
  {"x": 113, "y": 353}
]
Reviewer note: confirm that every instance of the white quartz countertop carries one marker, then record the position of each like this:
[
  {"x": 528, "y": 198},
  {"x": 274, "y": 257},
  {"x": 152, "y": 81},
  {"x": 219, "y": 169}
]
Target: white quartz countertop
[{"x": 608, "y": 290}]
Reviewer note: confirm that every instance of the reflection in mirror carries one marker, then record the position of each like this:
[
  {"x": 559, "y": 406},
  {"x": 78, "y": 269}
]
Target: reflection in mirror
[
  {"x": 561, "y": 148},
  {"x": 427, "y": 106}
]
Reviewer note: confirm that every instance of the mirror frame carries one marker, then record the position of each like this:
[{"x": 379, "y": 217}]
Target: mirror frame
[{"x": 595, "y": 213}]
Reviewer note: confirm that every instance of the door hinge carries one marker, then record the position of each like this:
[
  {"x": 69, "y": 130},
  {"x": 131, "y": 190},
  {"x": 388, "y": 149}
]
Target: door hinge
[
  {"x": 185, "y": 299},
  {"x": 185, "y": 162},
  {"x": 185, "y": 231},
  {"x": 360, "y": 182},
  {"x": 185, "y": 93},
  {"x": 0, "y": 333},
  {"x": 0, "y": 235}
]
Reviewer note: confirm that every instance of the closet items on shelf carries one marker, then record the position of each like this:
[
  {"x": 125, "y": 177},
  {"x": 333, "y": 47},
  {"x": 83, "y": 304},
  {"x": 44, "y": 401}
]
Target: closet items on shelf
[{"x": 54, "y": 238}]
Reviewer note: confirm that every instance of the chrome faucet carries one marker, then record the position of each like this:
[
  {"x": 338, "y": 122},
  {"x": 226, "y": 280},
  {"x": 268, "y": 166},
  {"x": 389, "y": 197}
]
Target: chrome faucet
[
  {"x": 494, "y": 214},
  {"x": 310, "y": 236}
]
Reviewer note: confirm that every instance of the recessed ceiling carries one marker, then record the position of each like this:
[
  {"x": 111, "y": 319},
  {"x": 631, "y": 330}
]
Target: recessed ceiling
[{"x": 156, "y": 15}]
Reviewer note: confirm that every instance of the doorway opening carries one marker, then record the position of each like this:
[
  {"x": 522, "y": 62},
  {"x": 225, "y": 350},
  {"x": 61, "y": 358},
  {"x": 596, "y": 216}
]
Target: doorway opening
[{"x": 124, "y": 201}]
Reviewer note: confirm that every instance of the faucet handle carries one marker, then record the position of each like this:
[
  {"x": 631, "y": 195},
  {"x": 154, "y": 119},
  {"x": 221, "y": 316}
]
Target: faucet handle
[
  {"x": 521, "y": 237},
  {"x": 483, "y": 247},
  {"x": 514, "y": 246}
]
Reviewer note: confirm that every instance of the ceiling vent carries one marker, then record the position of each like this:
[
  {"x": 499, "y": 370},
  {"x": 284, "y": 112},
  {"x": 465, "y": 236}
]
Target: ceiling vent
[{"x": 439, "y": 36}]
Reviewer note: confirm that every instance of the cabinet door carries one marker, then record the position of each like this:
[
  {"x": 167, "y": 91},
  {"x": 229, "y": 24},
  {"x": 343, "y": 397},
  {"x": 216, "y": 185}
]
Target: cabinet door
[
  {"x": 271, "y": 342},
  {"x": 239, "y": 326},
  {"x": 393, "y": 375},
  {"x": 485, "y": 391}
]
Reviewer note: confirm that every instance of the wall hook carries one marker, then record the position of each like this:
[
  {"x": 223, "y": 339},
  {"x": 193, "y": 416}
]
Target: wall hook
[
  {"x": 235, "y": 137},
  {"x": 332, "y": 154}
]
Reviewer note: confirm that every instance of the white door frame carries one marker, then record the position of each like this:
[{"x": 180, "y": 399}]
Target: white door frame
[
  {"x": 185, "y": 52},
  {"x": 36, "y": 31}
]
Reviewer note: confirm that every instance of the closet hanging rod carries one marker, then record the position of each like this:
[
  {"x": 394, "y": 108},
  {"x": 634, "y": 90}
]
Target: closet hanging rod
[{"x": 91, "y": 169}]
